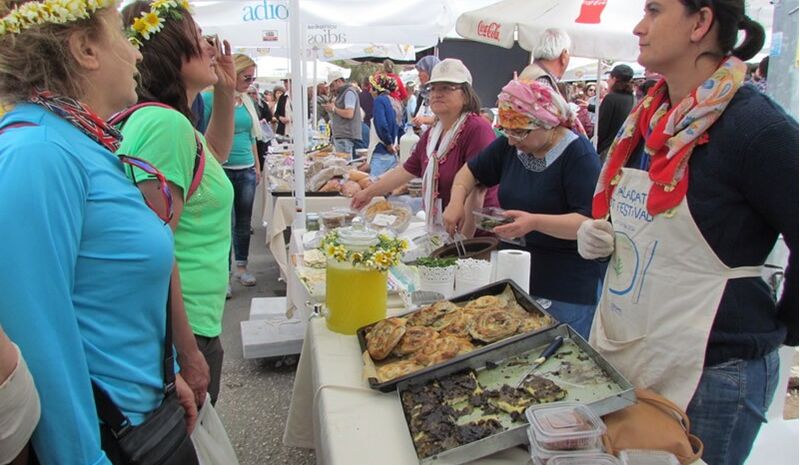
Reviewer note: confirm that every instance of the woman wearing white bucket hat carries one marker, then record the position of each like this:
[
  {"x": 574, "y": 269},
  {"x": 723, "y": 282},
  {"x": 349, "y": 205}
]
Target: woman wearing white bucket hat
[{"x": 458, "y": 134}]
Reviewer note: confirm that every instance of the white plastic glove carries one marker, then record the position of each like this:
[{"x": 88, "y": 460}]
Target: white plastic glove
[{"x": 595, "y": 239}]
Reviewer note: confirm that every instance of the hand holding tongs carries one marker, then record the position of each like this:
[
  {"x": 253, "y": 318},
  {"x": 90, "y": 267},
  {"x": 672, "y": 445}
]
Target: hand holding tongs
[{"x": 546, "y": 353}]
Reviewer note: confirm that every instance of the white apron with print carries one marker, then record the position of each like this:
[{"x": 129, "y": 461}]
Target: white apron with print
[{"x": 661, "y": 293}]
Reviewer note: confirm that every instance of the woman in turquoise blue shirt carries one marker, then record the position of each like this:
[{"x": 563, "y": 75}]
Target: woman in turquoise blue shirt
[{"x": 86, "y": 262}]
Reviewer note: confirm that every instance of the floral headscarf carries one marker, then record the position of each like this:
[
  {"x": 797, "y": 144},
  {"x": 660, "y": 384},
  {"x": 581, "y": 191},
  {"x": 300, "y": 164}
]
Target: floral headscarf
[
  {"x": 381, "y": 82},
  {"x": 531, "y": 105}
]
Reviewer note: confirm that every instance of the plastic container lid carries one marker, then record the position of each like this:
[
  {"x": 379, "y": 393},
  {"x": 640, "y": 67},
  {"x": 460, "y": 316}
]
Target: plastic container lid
[
  {"x": 647, "y": 457},
  {"x": 541, "y": 456},
  {"x": 584, "y": 459},
  {"x": 358, "y": 236},
  {"x": 566, "y": 426},
  {"x": 488, "y": 218}
]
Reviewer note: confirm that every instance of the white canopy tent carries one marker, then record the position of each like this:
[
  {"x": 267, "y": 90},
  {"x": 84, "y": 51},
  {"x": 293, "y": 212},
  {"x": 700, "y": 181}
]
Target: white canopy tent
[{"x": 312, "y": 28}]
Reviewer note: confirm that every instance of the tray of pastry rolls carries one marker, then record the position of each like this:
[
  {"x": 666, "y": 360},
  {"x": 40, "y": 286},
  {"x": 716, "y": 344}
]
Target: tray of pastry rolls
[
  {"x": 475, "y": 407},
  {"x": 448, "y": 331}
]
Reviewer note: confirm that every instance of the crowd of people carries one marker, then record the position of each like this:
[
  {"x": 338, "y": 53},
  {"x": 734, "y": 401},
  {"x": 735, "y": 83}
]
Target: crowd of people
[{"x": 133, "y": 146}]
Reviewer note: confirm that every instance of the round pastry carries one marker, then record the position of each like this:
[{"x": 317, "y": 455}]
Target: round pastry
[
  {"x": 493, "y": 325},
  {"x": 488, "y": 302},
  {"x": 384, "y": 336},
  {"x": 397, "y": 369},
  {"x": 532, "y": 322},
  {"x": 429, "y": 315},
  {"x": 415, "y": 338},
  {"x": 456, "y": 325},
  {"x": 443, "y": 348}
]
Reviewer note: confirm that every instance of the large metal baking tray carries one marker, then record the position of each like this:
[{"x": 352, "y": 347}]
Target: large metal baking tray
[
  {"x": 524, "y": 300},
  {"x": 623, "y": 397}
]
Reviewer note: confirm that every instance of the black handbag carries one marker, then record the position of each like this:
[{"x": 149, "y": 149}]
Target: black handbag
[{"x": 162, "y": 438}]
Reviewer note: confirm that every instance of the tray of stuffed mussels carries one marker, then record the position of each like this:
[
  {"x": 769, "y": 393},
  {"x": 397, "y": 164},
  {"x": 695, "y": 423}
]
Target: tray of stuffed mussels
[
  {"x": 399, "y": 348},
  {"x": 475, "y": 407}
]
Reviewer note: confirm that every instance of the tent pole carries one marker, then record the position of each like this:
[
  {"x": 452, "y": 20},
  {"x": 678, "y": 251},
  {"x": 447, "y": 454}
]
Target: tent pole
[
  {"x": 298, "y": 119},
  {"x": 597, "y": 93},
  {"x": 314, "y": 91}
]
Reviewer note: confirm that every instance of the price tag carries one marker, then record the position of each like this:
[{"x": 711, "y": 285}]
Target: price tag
[{"x": 384, "y": 220}]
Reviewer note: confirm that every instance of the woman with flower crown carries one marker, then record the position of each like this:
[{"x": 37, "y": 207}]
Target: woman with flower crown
[
  {"x": 86, "y": 262},
  {"x": 178, "y": 63},
  {"x": 698, "y": 184}
]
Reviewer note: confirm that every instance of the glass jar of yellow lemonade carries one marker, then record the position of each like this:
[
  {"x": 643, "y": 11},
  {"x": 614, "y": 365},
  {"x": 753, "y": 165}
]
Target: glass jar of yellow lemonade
[{"x": 354, "y": 294}]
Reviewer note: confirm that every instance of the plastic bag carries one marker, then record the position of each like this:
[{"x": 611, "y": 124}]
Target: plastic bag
[{"x": 210, "y": 438}]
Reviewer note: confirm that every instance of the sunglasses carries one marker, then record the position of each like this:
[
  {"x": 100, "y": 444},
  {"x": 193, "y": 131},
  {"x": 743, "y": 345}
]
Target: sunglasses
[
  {"x": 247, "y": 78},
  {"x": 515, "y": 134},
  {"x": 443, "y": 88},
  {"x": 166, "y": 214}
]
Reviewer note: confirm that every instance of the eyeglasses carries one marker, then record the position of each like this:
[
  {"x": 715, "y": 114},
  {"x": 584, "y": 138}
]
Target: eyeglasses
[
  {"x": 443, "y": 88},
  {"x": 166, "y": 216},
  {"x": 247, "y": 78},
  {"x": 515, "y": 134}
]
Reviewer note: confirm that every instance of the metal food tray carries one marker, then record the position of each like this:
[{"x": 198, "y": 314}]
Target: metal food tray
[
  {"x": 624, "y": 397},
  {"x": 523, "y": 299}
]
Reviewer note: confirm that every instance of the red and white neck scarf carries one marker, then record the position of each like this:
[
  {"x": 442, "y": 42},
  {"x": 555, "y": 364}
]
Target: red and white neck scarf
[
  {"x": 81, "y": 117},
  {"x": 670, "y": 135}
]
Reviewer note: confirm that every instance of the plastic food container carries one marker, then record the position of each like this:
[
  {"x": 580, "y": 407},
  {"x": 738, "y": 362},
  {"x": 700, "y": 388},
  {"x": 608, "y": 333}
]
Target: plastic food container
[
  {"x": 585, "y": 459},
  {"x": 348, "y": 213},
  {"x": 541, "y": 456},
  {"x": 488, "y": 218},
  {"x": 394, "y": 216},
  {"x": 565, "y": 427},
  {"x": 332, "y": 219},
  {"x": 647, "y": 457}
]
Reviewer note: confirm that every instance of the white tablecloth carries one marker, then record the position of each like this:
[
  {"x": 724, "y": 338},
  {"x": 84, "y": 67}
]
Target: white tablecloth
[{"x": 335, "y": 412}]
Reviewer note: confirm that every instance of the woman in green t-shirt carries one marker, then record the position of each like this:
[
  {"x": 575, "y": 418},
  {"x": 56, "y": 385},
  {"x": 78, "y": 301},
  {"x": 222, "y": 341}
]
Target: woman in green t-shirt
[
  {"x": 178, "y": 63},
  {"x": 243, "y": 166}
]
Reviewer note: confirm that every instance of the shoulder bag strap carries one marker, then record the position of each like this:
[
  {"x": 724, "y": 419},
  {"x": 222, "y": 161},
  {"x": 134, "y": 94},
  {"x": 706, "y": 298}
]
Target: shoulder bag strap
[{"x": 107, "y": 410}]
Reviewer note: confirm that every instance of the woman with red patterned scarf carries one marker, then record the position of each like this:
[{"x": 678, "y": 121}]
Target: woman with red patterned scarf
[
  {"x": 86, "y": 263},
  {"x": 698, "y": 184}
]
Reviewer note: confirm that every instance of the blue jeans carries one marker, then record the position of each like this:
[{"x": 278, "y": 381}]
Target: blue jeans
[
  {"x": 729, "y": 405},
  {"x": 364, "y": 142},
  {"x": 344, "y": 145},
  {"x": 244, "y": 192},
  {"x": 579, "y": 316},
  {"x": 381, "y": 163}
]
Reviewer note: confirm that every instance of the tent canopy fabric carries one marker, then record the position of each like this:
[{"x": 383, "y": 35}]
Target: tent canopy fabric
[
  {"x": 598, "y": 28},
  {"x": 330, "y": 26}
]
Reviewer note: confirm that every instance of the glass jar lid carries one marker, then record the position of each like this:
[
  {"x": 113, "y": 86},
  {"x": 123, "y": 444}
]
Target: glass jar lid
[{"x": 358, "y": 235}]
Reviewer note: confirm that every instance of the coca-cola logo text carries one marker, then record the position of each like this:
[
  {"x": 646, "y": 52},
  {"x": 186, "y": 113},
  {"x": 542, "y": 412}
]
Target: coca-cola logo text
[{"x": 490, "y": 31}]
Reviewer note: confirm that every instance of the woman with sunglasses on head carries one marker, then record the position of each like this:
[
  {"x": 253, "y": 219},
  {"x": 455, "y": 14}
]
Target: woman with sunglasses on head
[
  {"x": 698, "y": 184},
  {"x": 87, "y": 262},
  {"x": 458, "y": 134},
  {"x": 243, "y": 166},
  {"x": 177, "y": 64},
  {"x": 545, "y": 175}
]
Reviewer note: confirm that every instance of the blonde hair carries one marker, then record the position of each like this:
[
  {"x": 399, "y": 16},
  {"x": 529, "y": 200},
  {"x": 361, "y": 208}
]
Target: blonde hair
[
  {"x": 39, "y": 57},
  {"x": 241, "y": 62}
]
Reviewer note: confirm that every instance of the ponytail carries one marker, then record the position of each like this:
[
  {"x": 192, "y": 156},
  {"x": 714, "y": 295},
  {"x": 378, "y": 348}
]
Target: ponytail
[{"x": 753, "y": 40}]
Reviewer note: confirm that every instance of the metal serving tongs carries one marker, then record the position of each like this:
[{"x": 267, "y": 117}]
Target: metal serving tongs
[
  {"x": 546, "y": 353},
  {"x": 458, "y": 239}
]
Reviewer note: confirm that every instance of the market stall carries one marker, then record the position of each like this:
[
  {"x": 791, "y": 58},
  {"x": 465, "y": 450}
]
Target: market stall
[{"x": 354, "y": 394}]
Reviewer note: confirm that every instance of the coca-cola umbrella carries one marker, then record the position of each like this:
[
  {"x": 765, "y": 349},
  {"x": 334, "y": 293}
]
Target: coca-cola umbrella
[{"x": 598, "y": 28}]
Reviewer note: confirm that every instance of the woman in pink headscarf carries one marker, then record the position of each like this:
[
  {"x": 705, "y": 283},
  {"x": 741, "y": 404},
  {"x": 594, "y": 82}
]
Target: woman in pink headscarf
[{"x": 546, "y": 175}]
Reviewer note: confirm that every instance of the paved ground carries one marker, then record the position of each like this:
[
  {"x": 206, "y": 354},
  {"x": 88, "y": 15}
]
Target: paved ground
[{"x": 255, "y": 394}]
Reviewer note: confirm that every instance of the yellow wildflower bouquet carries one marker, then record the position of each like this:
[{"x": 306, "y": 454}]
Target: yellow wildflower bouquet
[{"x": 381, "y": 256}]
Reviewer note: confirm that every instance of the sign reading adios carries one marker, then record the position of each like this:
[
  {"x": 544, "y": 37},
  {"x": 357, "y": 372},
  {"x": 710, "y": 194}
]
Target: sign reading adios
[{"x": 489, "y": 30}]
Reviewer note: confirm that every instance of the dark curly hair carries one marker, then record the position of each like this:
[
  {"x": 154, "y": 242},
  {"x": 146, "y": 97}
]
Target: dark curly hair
[{"x": 163, "y": 56}]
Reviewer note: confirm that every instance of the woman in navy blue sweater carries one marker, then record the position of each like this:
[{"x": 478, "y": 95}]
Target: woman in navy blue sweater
[
  {"x": 697, "y": 186},
  {"x": 546, "y": 175}
]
